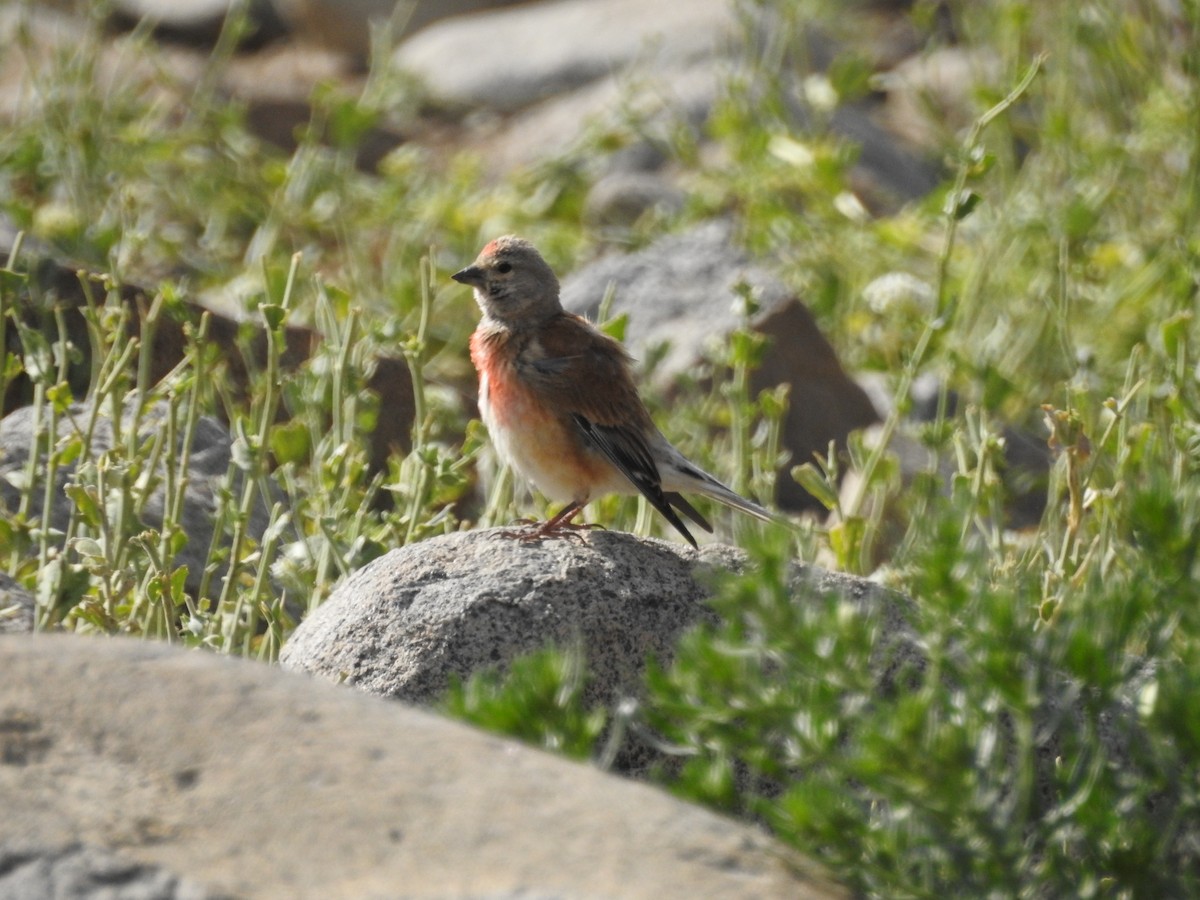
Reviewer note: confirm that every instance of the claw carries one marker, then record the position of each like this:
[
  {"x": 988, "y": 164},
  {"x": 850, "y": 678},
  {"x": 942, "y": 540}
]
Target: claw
[
  {"x": 536, "y": 533},
  {"x": 558, "y": 526}
]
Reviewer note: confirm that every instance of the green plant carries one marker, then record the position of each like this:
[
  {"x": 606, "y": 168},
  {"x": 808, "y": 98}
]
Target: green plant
[{"x": 539, "y": 701}]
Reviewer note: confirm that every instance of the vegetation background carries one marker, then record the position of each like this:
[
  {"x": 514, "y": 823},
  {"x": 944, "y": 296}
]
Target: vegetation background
[{"x": 1050, "y": 746}]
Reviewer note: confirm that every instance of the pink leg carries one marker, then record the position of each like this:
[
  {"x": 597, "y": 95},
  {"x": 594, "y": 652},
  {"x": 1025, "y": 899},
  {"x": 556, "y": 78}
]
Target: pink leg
[{"x": 558, "y": 525}]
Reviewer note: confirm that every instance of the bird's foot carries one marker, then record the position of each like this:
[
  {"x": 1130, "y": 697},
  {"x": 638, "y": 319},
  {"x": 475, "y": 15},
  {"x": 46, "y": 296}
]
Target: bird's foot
[
  {"x": 561, "y": 526},
  {"x": 533, "y": 531}
]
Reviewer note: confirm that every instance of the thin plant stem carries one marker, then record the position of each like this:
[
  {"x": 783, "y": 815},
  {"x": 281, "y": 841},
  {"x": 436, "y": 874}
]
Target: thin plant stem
[
  {"x": 5, "y": 311},
  {"x": 945, "y": 309},
  {"x": 252, "y": 483},
  {"x": 414, "y": 353}
]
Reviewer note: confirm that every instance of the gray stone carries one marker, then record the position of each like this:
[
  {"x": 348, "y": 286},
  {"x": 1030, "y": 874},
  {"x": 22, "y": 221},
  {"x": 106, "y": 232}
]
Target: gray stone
[
  {"x": 17, "y": 607},
  {"x": 210, "y": 457},
  {"x": 604, "y": 62},
  {"x": 659, "y": 100},
  {"x": 621, "y": 198},
  {"x": 255, "y": 783},
  {"x": 509, "y": 59},
  {"x": 75, "y": 872},
  {"x": 886, "y": 174},
  {"x": 199, "y": 21},
  {"x": 408, "y": 622},
  {"x": 177, "y": 12},
  {"x": 682, "y": 292},
  {"x": 346, "y": 25}
]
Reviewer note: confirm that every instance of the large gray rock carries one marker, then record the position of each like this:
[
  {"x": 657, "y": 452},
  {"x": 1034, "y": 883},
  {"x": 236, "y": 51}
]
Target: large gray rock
[
  {"x": 682, "y": 291},
  {"x": 246, "y": 781},
  {"x": 619, "y": 199},
  {"x": 408, "y": 622},
  {"x": 508, "y": 59}
]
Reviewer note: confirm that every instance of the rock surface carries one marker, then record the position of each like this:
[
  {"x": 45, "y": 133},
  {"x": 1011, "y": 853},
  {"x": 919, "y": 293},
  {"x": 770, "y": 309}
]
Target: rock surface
[
  {"x": 346, "y": 25},
  {"x": 75, "y": 872},
  {"x": 250, "y": 782},
  {"x": 548, "y": 48},
  {"x": 199, "y": 21},
  {"x": 660, "y": 100},
  {"x": 408, "y": 622},
  {"x": 17, "y": 607},
  {"x": 542, "y": 76}
]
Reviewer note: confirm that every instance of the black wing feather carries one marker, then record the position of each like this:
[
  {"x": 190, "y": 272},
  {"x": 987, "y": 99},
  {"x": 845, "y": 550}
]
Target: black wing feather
[{"x": 631, "y": 455}]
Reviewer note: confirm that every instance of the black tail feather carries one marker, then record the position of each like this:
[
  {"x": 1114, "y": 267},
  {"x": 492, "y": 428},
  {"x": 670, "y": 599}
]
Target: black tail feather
[{"x": 677, "y": 500}]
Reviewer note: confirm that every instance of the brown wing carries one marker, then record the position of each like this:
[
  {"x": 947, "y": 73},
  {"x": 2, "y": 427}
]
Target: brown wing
[
  {"x": 578, "y": 369},
  {"x": 585, "y": 374}
]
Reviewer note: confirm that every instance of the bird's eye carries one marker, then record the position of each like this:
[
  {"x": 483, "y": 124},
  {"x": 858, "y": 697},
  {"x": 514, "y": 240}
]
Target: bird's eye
[{"x": 504, "y": 268}]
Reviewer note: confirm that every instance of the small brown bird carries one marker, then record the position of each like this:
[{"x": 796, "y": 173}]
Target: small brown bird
[{"x": 559, "y": 401}]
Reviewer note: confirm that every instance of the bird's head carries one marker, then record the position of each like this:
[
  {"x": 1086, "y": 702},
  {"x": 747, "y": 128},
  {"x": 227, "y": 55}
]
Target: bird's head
[{"x": 512, "y": 283}]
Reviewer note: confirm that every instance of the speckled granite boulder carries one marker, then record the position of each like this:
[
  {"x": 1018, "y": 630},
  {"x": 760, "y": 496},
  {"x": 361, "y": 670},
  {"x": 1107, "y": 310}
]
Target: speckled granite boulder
[{"x": 403, "y": 625}]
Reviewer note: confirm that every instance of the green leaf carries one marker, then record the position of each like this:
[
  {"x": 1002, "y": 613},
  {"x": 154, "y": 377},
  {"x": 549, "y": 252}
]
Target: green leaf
[
  {"x": 178, "y": 582},
  {"x": 38, "y": 359},
  {"x": 962, "y": 204},
  {"x": 980, "y": 161},
  {"x": 813, "y": 480},
  {"x": 11, "y": 365},
  {"x": 48, "y": 582},
  {"x": 241, "y": 451},
  {"x": 273, "y": 314},
  {"x": 12, "y": 281},
  {"x": 60, "y": 396},
  {"x": 291, "y": 442},
  {"x": 87, "y": 547},
  {"x": 70, "y": 451},
  {"x": 616, "y": 326},
  {"x": 850, "y": 75}
]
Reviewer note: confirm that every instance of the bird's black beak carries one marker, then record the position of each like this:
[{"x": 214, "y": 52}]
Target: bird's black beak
[{"x": 472, "y": 275}]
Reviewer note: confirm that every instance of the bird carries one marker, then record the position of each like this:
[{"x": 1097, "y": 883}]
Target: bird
[{"x": 560, "y": 402}]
